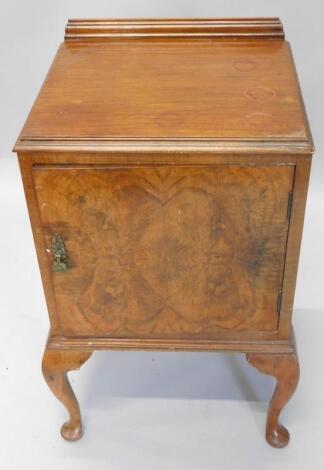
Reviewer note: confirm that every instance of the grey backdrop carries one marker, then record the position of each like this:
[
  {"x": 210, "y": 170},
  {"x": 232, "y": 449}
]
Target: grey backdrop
[{"x": 197, "y": 429}]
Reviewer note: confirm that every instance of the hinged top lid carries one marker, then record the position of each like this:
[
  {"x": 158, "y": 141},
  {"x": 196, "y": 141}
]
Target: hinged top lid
[{"x": 184, "y": 84}]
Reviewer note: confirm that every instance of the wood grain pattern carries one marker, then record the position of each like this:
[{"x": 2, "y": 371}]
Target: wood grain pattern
[
  {"x": 167, "y": 252},
  {"x": 233, "y": 28},
  {"x": 285, "y": 369},
  {"x": 252, "y": 342},
  {"x": 161, "y": 157},
  {"x": 301, "y": 181},
  {"x": 55, "y": 366},
  {"x": 170, "y": 90}
]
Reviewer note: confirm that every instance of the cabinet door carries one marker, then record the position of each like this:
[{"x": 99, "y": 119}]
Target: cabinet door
[{"x": 166, "y": 251}]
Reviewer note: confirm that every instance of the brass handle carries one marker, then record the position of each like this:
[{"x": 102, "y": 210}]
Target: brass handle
[{"x": 60, "y": 263}]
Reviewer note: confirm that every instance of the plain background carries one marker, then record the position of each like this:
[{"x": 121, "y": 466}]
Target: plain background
[{"x": 149, "y": 410}]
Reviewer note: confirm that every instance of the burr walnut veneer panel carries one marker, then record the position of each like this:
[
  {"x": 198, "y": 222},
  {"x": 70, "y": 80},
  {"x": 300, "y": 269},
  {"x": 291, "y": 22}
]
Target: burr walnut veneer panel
[{"x": 167, "y": 252}]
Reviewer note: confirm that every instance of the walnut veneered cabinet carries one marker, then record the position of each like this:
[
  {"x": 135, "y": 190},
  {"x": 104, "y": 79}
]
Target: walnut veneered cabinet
[{"x": 166, "y": 165}]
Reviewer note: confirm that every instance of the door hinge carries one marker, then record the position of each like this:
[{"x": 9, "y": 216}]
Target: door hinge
[
  {"x": 279, "y": 300},
  {"x": 289, "y": 207}
]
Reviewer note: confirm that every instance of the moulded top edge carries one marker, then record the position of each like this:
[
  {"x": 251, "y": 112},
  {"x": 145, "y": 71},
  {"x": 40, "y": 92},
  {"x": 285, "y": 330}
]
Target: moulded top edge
[
  {"x": 175, "y": 145},
  {"x": 218, "y": 27}
]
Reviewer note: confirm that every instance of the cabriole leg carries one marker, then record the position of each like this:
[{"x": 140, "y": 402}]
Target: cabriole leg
[
  {"x": 285, "y": 368},
  {"x": 55, "y": 366}
]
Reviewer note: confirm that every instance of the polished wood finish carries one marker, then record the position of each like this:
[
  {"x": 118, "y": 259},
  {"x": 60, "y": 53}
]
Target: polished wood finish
[
  {"x": 232, "y": 28},
  {"x": 185, "y": 89},
  {"x": 171, "y": 160},
  {"x": 151, "y": 92},
  {"x": 277, "y": 341},
  {"x": 171, "y": 252},
  {"x": 285, "y": 368},
  {"x": 55, "y": 366}
]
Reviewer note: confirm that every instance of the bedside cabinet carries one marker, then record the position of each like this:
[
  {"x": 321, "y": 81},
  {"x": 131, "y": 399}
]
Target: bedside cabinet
[{"x": 165, "y": 166}]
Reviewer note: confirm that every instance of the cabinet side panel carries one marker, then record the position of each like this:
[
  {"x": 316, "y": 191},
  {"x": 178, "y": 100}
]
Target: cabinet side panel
[
  {"x": 293, "y": 245},
  {"x": 26, "y": 165}
]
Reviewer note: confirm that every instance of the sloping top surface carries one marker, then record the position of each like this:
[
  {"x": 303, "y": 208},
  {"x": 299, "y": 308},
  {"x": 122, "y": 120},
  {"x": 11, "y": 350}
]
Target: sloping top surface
[{"x": 207, "y": 80}]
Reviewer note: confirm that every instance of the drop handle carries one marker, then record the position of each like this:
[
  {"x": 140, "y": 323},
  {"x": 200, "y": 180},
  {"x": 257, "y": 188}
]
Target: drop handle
[{"x": 60, "y": 256}]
